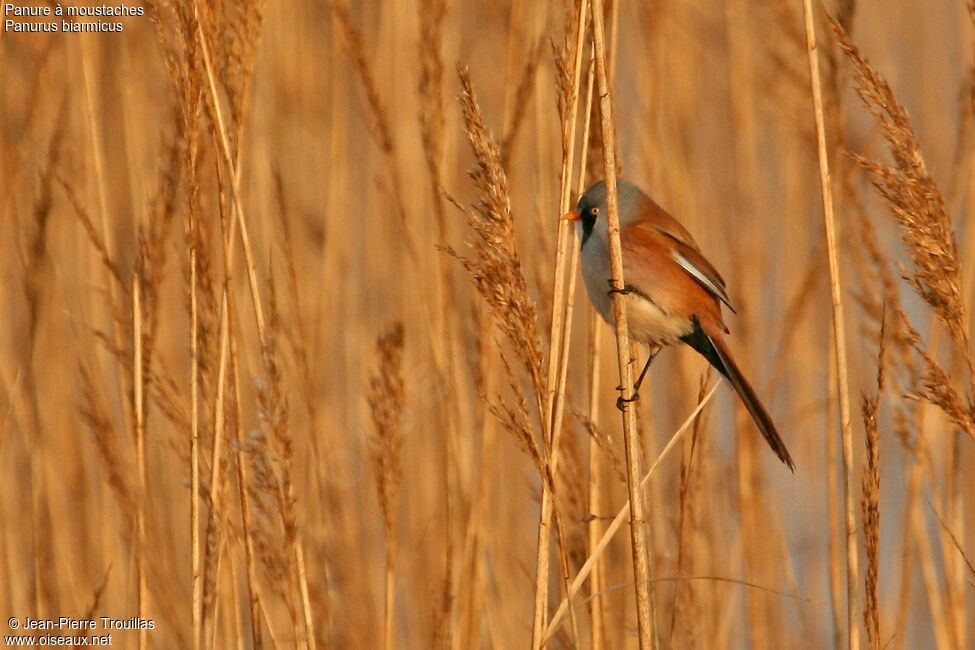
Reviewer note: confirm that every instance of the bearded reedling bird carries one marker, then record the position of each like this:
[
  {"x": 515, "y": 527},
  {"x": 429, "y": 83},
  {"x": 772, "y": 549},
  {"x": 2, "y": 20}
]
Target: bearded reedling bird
[{"x": 672, "y": 292}]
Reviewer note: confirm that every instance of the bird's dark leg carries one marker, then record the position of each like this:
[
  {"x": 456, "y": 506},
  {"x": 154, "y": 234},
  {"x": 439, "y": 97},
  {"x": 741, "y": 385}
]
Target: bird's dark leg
[
  {"x": 639, "y": 381},
  {"x": 620, "y": 402},
  {"x": 613, "y": 289}
]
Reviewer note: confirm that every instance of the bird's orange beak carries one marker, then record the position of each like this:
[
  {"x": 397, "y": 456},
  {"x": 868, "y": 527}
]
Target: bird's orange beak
[{"x": 570, "y": 216}]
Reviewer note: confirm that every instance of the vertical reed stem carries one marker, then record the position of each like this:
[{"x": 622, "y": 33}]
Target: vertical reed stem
[
  {"x": 595, "y": 454},
  {"x": 559, "y": 336},
  {"x": 638, "y": 531},
  {"x": 195, "y": 442},
  {"x": 140, "y": 452},
  {"x": 839, "y": 331}
]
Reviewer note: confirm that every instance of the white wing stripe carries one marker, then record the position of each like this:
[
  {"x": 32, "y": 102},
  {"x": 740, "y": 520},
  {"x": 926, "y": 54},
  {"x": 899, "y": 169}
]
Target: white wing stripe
[{"x": 701, "y": 277}]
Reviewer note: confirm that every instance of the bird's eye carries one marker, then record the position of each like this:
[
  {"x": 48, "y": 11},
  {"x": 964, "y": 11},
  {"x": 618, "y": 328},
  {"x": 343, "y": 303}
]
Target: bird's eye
[{"x": 594, "y": 211}]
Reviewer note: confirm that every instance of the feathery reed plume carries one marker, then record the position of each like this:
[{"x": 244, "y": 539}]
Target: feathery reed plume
[
  {"x": 915, "y": 200},
  {"x": 935, "y": 385},
  {"x": 597, "y": 550},
  {"x": 299, "y": 339},
  {"x": 233, "y": 424},
  {"x": 432, "y": 123},
  {"x": 870, "y": 497},
  {"x": 263, "y": 495},
  {"x": 495, "y": 268},
  {"x": 94, "y": 237},
  {"x": 685, "y": 602},
  {"x": 273, "y": 415},
  {"x": 522, "y": 100},
  {"x": 138, "y": 378},
  {"x": 880, "y": 306},
  {"x": 386, "y": 397},
  {"x": 604, "y": 443},
  {"x": 34, "y": 254},
  {"x": 514, "y": 418},
  {"x": 236, "y": 30},
  {"x": 432, "y": 13},
  {"x": 930, "y": 381},
  {"x": 926, "y": 231},
  {"x": 196, "y": 560},
  {"x": 958, "y": 547},
  {"x": 571, "y": 492},
  {"x": 150, "y": 262},
  {"x": 300, "y": 343},
  {"x": 95, "y": 415},
  {"x": 494, "y": 265},
  {"x": 377, "y": 118}
]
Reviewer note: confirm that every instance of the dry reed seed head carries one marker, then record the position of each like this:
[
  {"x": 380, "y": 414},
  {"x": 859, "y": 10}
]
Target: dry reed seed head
[
  {"x": 495, "y": 266},
  {"x": 386, "y": 400},
  {"x": 213, "y": 540},
  {"x": 169, "y": 398},
  {"x": 93, "y": 236},
  {"x": 432, "y": 14},
  {"x": 176, "y": 25},
  {"x": 151, "y": 259},
  {"x": 234, "y": 29},
  {"x": 934, "y": 385},
  {"x": 563, "y": 86},
  {"x": 783, "y": 42},
  {"x": 515, "y": 420},
  {"x": 914, "y": 198},
  {"x": 571, "y": 495},
  {"x": 273, "y": 416},
  {"x": 267, "y": 532},
  {"x": 378, "y": 121},
  {"x": 297, "y": 335},
  {"x": 884, "y": 306},
  {"x": 208, "y": 310},
  {"x": 563, "y": 54},
  {"x": 107, "y": 443},
  {"x": 33, "y": 251},
  {"x": 604, "y": 442},
  {"x": 870, "y": 494},
  {"x": 526, "y": 85},
  {"x": 886, "y": 310},
  {"x": 926, "y": 232}
]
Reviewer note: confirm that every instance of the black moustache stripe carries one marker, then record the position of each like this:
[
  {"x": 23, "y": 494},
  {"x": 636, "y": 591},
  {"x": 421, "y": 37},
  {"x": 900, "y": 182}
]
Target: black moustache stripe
[{"x": 588, "y": 222}]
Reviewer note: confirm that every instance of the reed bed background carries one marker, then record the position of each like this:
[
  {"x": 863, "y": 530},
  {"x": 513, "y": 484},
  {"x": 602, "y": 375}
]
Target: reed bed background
[{"x": 286, "y": 359}]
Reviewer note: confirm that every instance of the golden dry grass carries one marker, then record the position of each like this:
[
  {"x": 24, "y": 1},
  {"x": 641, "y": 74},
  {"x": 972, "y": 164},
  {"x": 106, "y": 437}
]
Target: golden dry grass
[{"x": 294, "y": 355}]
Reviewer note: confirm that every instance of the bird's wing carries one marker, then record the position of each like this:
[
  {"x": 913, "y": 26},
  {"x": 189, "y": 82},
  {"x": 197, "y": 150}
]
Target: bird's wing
[
  {"x": 666, "y": 237},
  {"x": 692, "y": 261}
]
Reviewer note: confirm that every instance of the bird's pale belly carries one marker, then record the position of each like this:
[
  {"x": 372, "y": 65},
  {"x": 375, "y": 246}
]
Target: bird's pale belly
[
  {"x": 647, "y": 322},
  {"x": 651, "y": 325}
]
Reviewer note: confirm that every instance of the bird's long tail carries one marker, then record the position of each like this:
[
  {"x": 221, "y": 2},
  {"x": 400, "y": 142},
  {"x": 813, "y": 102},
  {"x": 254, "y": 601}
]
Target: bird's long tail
[{"x": 713, "y": 349}]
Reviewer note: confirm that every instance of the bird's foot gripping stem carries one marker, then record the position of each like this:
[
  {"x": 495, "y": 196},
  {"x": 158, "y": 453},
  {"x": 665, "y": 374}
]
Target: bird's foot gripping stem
[
  {"x": 613, "y": 289},
  {"x": 621, "y": 401}
]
